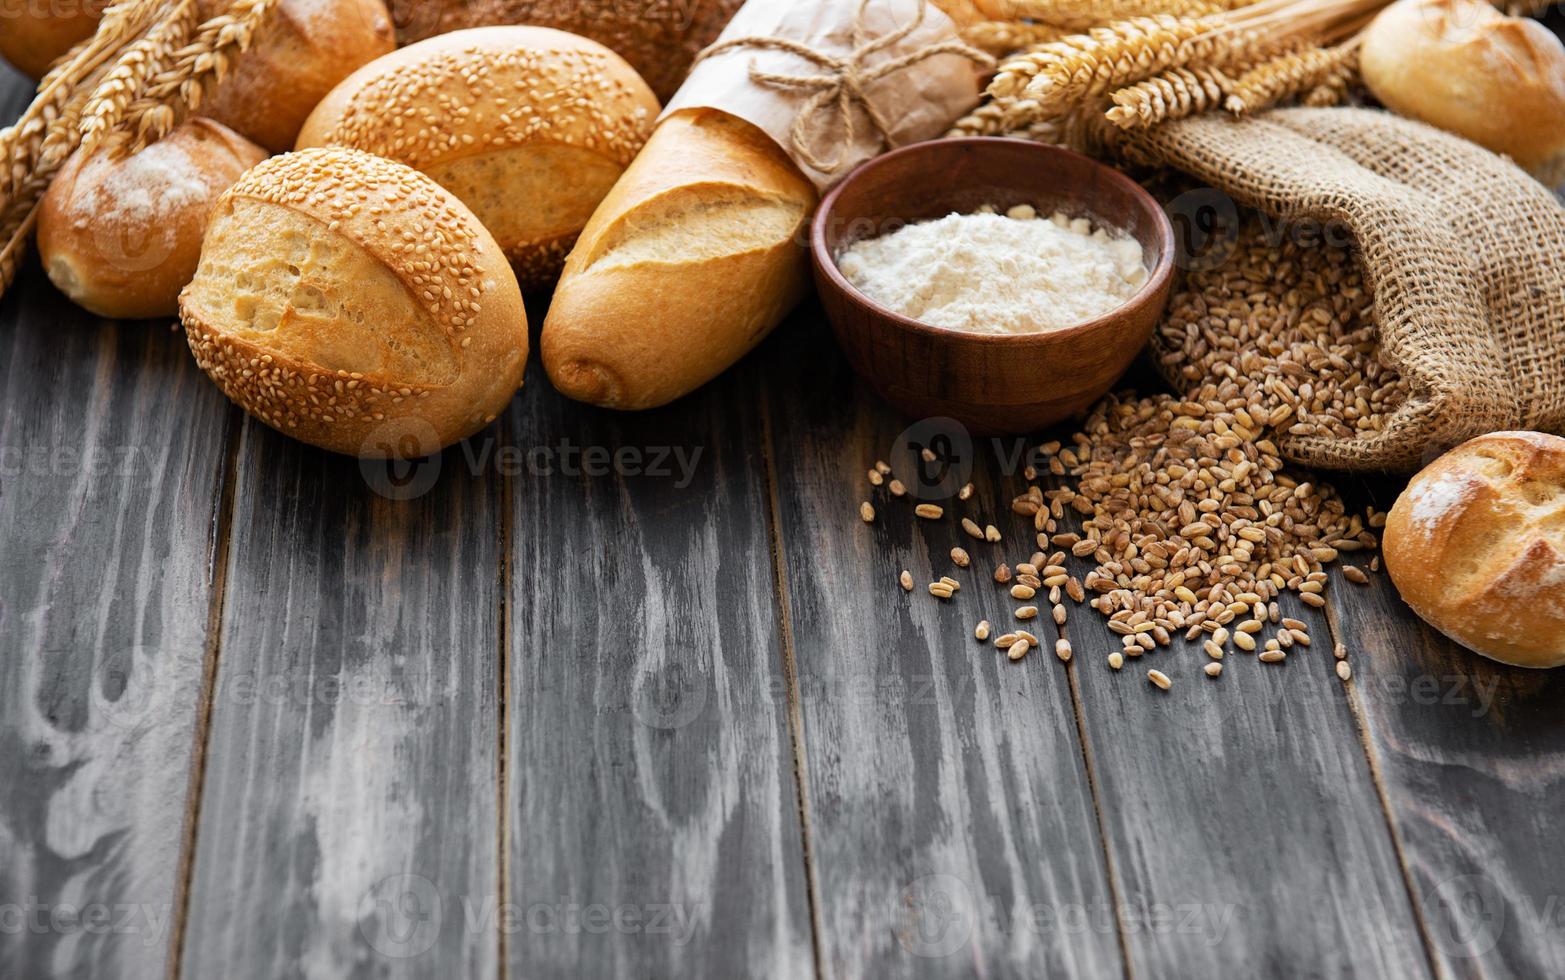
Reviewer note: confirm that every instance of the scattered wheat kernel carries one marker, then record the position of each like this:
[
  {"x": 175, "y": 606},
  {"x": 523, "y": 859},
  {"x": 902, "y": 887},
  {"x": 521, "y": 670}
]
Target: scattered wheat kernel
[
  {"x": 1026, "y": 612},
  {"x": 940, "y": 590},
  {"x": 1018, "y": 650},
  {"x": 875, "y": 479},
  {"x": 1029, "y": 580},
  {"x": 1019, "y": 591},
  {"x": 1250, "y": 626},
  {"x": 1160, "y": 679},
  {"x": 1311, "y": 599},
  {"x": 973, "y": 530},
  {"x": 930, "y": 512},
  {"x": 1116, "y": 660},
  {"x": 867, "y": 512},
  {"x": 954, "y": 585},
  {"x": 1244, "y": 641},
  {"x": 1062, "y": 649},
  {"x": 1024, "y": 635},
  {"x": 897, "y": 489},
  {"x": 1004, "y": 640},
  {"x": 1002, "y": 573},
  {"x": 991, "y": 533},
  {"x": 1073, "y": 588},
  {"x": 966, "y": 493},
  {"x": 1212, "y": 650},
  {"x": 1355, "y": 574},
  {"x": 981, "y": 631},
  {"x": 928, "y": 455},
  {"x": 882, "y": 467},
  {"x": 906, "y": 578},
  {"x": 1272, "y": 657},
  {"x": 960, "y": 557},
  {"x": 1220, "y": 636},
  {"x": 1343, "y": 670},
  {"x": 1059, "y": 615},
  {"x": 1213, "y": 669},
  {"x": 1374, "y": 564},
  {"x": 1027, "y": 568},
  {"x": 1340, "y": 652}
]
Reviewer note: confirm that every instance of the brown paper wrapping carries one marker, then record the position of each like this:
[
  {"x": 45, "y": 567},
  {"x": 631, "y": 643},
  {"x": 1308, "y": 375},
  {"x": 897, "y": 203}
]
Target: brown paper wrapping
[{"x": 923, "y": 99}]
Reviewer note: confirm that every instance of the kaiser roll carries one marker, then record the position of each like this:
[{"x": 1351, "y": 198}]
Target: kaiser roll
[
  {"x": 1476, "y": 545},
  {"x": 353, "y": 303},
  {"x": 34, "y": 35},
  {"x": 1469, "y": 69},
  {"x": 529, "y": 126},
  {"x": 303, "y": 49},
  {"x": 660, "y": 38},
  {"x": 121, "y": 237}
]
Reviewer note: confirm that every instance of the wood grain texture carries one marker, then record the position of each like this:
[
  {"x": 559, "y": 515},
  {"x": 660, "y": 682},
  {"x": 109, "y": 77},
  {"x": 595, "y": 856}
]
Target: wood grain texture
[
  {"x": 653, "y": 824},
  {"x": 952, "y": 825},
  {"x": 111, "y": 460},
  {"x": 1247, "y": 833},
  {"x": 349, "y": 822},
  {"x": 1472, "y": 757}
]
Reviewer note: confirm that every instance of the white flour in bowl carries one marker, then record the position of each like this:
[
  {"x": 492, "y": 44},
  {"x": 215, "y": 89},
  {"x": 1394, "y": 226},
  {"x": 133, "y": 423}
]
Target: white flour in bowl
[{"x": 996, "y": 273}]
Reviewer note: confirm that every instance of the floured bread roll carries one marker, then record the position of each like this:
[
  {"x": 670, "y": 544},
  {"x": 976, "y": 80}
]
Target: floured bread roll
[
  {"x": 1476, "y": 545},
  {"x": 354, "y": 304}
]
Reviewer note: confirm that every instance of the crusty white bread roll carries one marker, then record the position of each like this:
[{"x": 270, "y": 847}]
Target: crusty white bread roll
[
  {"x": 660, "y": 38},
  {"x": 355, "y": 304},
  {"x": 304, "y": 49},
  {"x": 529, "y": 126},
  {"x": 1465, "y": 67},
  {"x": 121, "y": 236},
  {"x": 1476, "y": 546},
  {"x": 34, "y": 35},
  {"x": 692, "y": 258}
]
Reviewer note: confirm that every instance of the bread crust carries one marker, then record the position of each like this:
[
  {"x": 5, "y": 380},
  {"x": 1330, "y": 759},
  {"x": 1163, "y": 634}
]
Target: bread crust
[
  {"x": 448, "y": 272},
  {"x": 529, "y": 126},
  {"x": 640, "y": 333},
  {"x": 1465, "y": 67},
  {"x": 121, "y": 238},
  {"x": 1476, "y": 546},
  {"x": 39, "y": 34},
  {"x": 305, "y": 48}
]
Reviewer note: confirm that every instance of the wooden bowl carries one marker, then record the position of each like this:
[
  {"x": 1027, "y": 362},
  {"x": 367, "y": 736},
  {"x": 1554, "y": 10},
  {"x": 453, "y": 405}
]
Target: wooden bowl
[{"x": 1008, "y": 383}]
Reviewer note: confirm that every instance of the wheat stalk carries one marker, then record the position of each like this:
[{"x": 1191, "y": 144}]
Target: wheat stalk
[
  {"x": 139, "y": 63},
  {"x": 193, "y": 71},
  {"x": 1004, "y": 37},
  {"x": 1079, "y": 15}
]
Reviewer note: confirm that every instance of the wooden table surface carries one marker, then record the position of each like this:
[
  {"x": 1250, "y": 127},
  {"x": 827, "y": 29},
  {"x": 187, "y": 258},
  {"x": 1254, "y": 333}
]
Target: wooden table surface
[{"x": 535, "y": 709}]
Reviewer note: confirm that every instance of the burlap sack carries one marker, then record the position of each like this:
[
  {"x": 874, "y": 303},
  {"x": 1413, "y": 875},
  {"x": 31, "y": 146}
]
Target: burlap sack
[{"x": 1466, "y": 254}]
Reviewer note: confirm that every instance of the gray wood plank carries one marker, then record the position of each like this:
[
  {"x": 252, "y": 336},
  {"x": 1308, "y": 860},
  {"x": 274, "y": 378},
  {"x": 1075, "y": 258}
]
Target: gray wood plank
[
  {"x": 349, "y": 824},
  {"x": 653, "y": 822},
  {"x": 1247, "y": 831},
  {"x": 952, "y": 823},
  {"x": 1472, "y": 757},
  {"x": 111, "y": 463}
]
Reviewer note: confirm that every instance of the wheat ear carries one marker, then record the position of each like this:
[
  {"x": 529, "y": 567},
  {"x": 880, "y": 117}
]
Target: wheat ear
[
  {"x": 1175, "y": 94},
  {"x": 1004, "y": 37},
  {"x": 1292, "y": 74},
  {"x": 138, "y": 64},
  {"x": 1080, "y": 15},
  {"x": 1085, "y": 65},
  {"x": 194, "y": 70}
]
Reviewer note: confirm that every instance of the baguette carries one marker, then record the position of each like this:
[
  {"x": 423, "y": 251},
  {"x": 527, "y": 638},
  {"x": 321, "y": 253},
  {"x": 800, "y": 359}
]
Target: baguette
[{"x": 692, "y": 258}]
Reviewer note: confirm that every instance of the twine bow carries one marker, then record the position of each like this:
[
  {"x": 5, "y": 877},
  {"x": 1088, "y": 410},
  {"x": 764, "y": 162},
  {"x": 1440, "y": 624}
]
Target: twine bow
[{"x": 842, "y": 85}]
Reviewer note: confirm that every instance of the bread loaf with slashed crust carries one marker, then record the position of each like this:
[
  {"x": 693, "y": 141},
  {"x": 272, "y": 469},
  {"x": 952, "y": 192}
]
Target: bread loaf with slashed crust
[
  {"x": 1476, "y": 546},
  {"x": 529, "y": 126},
  {"x": 351, "y": 302}
]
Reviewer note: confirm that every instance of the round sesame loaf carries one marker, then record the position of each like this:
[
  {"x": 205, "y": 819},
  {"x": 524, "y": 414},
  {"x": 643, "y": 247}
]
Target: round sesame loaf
[
  {"x": 529, "y": 126},
  {"x": 1476, "y": 546},
  {"x": 353, "y": 303}
]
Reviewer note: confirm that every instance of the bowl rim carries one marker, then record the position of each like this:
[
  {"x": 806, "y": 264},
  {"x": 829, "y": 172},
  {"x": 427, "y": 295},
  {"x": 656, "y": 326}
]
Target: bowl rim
[{"x": 1157, "y": 279}]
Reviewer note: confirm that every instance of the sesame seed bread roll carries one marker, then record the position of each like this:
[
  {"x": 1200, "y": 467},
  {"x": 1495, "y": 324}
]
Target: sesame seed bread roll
[
  {"x": 304, "y": 48},
  {"x": 121, "y": 237},
  {"x": 695, "y": 255},
  {"x": 34, "y": 35},
  {"x": 353, "y": 303},
  {"x": 529, "y": 126},
  {"x": 1476, "y": 546}
]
